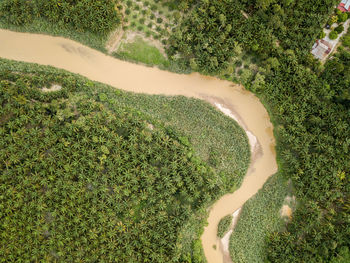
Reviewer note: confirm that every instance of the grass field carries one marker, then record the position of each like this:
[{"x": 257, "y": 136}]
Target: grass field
[{"x": 141, "y": 51}]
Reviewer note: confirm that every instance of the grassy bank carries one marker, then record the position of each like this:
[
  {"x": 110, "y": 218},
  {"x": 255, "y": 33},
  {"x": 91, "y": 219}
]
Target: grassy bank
[
  {"x": 41, "y": 26},
  {"x": 260, "y": 216},
  {"x": 141, "y": 51},
  {"x": 214, "y": 143}
]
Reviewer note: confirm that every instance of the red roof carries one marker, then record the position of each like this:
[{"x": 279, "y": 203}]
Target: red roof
[{"x": 341, "y": 7}]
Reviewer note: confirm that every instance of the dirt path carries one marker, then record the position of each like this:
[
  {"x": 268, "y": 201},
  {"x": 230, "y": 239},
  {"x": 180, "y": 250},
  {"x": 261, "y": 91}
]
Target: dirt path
[
  {"x": 234, "y": 99},
  {"x": 114, "y": 40}
]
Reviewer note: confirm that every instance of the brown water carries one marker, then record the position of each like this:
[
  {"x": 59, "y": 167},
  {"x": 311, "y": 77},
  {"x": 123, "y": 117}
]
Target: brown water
[{"x": 250, "y": 113}]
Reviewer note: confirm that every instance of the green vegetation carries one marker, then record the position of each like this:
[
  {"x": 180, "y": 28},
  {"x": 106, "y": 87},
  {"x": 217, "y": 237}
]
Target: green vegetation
[
  {"x": 141, "y": 51},
  {"x": 342, "y": 257},
  {"x": 259, "y": 217},
  {"x": 311, "y": 115},
  {"x": 210, "y": 33},
  {"x": 106, "y": 180},
  {"x": 266, "y": 46},
  {"x": 342, "y": 17},
  {"x": 346, "y": 40},
  {"x": 98, "y": 17},
  {"x": 333, "y": 35},
  {"x": 332, "y": 19},
  {"x": 152, "y": 13},
  {"x": 336, "y": 74},
  {"x": 50, "y": 18},
  {"x": 43, "y": 26},
  {"x": 224, "y": 225},
  {"x": 339, "y": 29}
]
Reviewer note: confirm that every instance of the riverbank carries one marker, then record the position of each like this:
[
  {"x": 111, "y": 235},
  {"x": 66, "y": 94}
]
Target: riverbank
[{"x": 74, "y": 57}]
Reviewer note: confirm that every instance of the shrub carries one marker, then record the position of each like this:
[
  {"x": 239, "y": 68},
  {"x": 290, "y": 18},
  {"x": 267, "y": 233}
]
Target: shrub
[
  {"x": 153, "y": 7},
  {"x": 333, "y": 35},
  {"x": 332, "y": 20},
  {"x": 224, "y": 225},
  {"x": 17, "y": 12},
  {"x": 150, "y": 25},
  {"x": 140, "y": 28},
  {"x": 322, "y": 35},
  {"x": 81, "y": 134},
  {"x": 129, "y": 3},
  {"x": 152, "y": 16},
  {"x": 346, "y": 40},
  {"x": 342, "y": 17},
  {"x": 159, "y": 20},
  {"x": 142, "y": 20},
  {"x": 339, "y": 29},
  {"x": 127, "y": 11}
]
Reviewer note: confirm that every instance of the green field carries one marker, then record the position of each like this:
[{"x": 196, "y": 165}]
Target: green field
[{"x": 141, "y": 51}]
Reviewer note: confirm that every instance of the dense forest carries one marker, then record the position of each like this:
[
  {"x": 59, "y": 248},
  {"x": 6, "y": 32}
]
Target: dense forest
[
  {"x": 309, "y": 106},
  {"x": 313, "y": 131},
  {"x": 213, "y": 31},
  {"x": 99, "y": 17},
  {"x": 101, "y": 184}
]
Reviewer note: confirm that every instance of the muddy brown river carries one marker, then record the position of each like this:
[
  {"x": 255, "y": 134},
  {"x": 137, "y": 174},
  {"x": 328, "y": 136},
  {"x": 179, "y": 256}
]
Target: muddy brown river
[{"x": 232, "y": 99}]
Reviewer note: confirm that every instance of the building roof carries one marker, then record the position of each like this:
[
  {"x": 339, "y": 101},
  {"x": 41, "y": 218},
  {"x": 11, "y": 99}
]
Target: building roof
[
  {"x": 347, "y": 5},
  {"x": 344, "y": 5},
  {"x": 321, "y": 49}
]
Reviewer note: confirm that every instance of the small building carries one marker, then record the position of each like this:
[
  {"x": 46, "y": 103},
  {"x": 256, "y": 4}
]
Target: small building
[
  {"x": 344, "y": 6},
  {"x": 321, "y": 49}
]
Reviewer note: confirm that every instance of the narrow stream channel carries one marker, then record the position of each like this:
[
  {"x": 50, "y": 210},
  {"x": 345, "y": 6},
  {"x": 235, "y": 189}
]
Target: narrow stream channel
[{"x": 234, "y": 99}]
